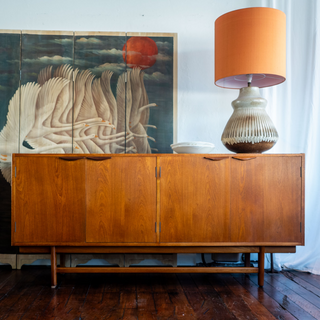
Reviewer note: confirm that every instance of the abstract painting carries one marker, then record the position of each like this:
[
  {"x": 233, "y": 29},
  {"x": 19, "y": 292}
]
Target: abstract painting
[{"x": 88, "y": 92}]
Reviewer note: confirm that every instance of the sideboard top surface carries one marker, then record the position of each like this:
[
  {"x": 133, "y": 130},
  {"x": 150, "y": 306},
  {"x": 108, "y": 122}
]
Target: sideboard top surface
[{"x": 243, "y": 155}]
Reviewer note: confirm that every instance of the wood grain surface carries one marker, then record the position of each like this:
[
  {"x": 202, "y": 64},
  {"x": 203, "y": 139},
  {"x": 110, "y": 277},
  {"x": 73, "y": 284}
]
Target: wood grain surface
[
  {"x": 159, "y": 200},
  {"x": 121, "y": 200},
  {"x": 266, "y": 200},
  {"x": 49, "y": 202},
  {"x": 158, "y": 270},
  {"x": 194, "y": 199}
]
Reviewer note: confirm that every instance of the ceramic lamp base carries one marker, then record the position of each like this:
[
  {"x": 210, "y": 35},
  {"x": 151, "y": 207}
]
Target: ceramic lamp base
[{"x": 249, "y": 129}]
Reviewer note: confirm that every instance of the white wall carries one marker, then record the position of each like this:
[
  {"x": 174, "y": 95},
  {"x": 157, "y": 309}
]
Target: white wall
[{"x": 203, "y": 108}]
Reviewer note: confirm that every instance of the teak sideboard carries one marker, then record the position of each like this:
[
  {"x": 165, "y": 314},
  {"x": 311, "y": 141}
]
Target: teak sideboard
[{"x": 159, "y": 203}]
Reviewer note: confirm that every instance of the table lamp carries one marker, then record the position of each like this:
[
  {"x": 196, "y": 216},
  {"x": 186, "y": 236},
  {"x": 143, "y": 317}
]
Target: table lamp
[{"x": 250, "y": 53}]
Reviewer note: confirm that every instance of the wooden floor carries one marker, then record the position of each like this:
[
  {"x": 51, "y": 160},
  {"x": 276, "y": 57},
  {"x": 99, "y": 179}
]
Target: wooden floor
[{"x": 26, "y": 294}]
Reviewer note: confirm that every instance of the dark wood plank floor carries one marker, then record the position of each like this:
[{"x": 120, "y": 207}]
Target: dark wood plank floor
[{"x": 26, "y": 294}]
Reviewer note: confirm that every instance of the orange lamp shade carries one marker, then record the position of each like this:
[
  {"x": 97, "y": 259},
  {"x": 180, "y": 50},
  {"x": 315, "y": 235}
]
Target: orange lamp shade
[{"x": 250, "y": 41}]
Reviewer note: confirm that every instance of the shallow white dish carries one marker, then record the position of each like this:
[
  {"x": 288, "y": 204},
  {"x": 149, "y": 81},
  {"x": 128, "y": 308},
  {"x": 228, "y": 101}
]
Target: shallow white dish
[{"x": 192, "y": 147}]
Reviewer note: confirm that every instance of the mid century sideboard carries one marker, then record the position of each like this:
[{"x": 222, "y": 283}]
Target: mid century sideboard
[{"x": 158, "y": 203}]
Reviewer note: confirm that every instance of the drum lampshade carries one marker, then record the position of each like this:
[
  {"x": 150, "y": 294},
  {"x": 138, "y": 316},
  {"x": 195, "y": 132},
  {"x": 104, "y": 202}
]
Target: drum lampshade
[{"x": 250, "y": 41}]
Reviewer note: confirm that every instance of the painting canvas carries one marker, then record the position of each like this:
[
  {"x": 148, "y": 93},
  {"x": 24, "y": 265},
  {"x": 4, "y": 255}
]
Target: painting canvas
[
  {"x": 9, "y": 127},
  {"x": 153, "y": 57},
  {"x": 9, "y": 83},
  {"x": 123, "y": 73},
  {"x": 98, "y": 66},
  {"x": 92, "y": 92},
  {"x": 46, "y": 92}
]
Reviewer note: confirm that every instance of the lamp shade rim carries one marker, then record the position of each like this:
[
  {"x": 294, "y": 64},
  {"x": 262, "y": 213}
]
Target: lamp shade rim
[{"x": 258, "y": 80}]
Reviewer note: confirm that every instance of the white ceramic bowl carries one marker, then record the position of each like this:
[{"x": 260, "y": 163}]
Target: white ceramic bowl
[{"x": 192, "y": 147}]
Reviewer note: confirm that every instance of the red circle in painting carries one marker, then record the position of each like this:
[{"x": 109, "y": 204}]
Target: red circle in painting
[{"x": 141, "y": 52}]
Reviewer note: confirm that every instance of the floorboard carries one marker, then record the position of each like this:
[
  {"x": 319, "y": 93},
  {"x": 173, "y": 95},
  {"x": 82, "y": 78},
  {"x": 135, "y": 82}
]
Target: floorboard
[
  {"x": 306, "y": 276},
  {"x": 234, "y": 302},
  {"x": 258, "y": 309},
  {"x": 26, "y": 294},
  {"x": 284, "y": 301},
  {"x": 261, "y": 295}
]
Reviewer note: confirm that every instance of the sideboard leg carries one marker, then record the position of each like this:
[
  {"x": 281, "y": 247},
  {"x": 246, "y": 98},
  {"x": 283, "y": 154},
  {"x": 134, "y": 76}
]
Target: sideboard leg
[
  {"x": 247, "y": 259},
  {"x": 261, "y": 266},
  {"x": 53, "y": 267},
  {"x": 271, "y": 262},
  {"x": 62, "y": 260}
]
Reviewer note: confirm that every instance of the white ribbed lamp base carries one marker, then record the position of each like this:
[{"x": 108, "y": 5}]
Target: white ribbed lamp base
[{"x": 250, "y": 129}]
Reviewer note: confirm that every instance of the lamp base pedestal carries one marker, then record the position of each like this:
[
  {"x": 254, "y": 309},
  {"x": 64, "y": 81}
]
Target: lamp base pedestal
[{"x": 249, "y": 129}]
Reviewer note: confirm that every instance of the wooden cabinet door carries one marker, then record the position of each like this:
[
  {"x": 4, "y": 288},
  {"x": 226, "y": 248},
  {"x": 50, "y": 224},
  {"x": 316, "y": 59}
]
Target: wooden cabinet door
[
  {"x": 266, "y": 199},
  {"x": 195, "y": 199},
  {"x": 49, "y": 200},
  {"x": 121, "y": 200}
]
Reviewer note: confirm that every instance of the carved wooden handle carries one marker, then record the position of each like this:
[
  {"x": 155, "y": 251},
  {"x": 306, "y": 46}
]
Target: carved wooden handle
[
  {"x": 243, "y": 158},
  {"x": 215, "y": 159},
  {"x": 98, "y": 158},
  {"x": 71, "y": 158}
]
